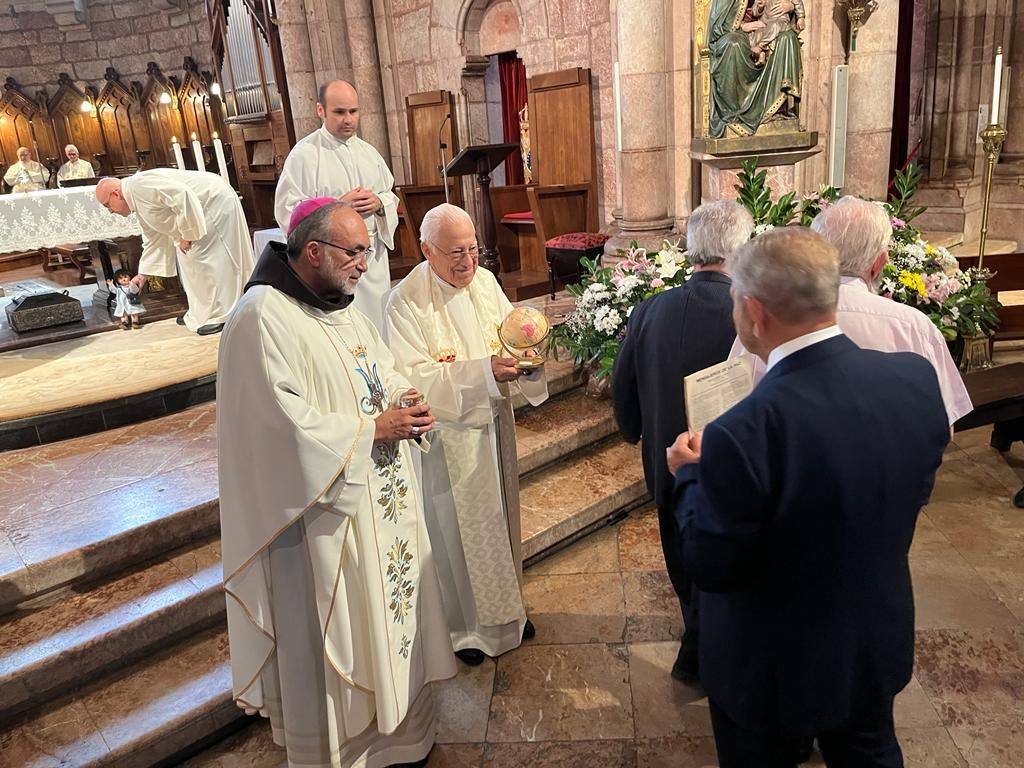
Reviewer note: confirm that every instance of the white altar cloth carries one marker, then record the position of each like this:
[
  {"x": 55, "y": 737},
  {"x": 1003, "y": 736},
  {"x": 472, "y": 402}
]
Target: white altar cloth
[
  {"x": 52, "y": 217},
  {"x": 261, "y": 237}
]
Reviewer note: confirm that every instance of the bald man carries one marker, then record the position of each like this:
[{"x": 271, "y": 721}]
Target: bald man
[
  {"x": 334, "y": 162},
  {"x": 75, "y": 167},
  {"x": 25, "y": 175},
  {"x": 193, "y": 226}
]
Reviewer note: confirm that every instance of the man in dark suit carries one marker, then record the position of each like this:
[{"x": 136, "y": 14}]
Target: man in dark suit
[
  {"x": 797, "y": 508},
  {"x": 669, "y": 336}
]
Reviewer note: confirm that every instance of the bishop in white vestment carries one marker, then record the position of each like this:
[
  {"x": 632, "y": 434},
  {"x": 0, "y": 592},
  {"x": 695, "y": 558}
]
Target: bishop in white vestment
[
  {"x": 442, "y": 322},
  {"x": 335, "y": 619},
  {"x": 334, "y": 162},
  {"x": 75, "y": 167},
  {"x": 192, "y": 226}
]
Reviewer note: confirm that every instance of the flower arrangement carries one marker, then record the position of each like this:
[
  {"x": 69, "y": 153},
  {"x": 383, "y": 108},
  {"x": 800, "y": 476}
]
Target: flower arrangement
[
  {"x": 919, "y": 274},
  {"x": 606, "y": 297}
]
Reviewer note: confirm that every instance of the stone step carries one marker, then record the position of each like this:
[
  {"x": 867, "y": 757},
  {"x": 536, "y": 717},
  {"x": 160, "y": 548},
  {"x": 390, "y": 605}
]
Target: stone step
[
  {"x": 992, "y": 247},
  {"x": 79, "y": 636},
  {"x": 943, "y": 239},
  {"x": 139, "y": 717}
]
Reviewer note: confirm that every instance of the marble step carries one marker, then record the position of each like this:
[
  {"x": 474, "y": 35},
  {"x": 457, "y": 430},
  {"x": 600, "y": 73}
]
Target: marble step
[
  {"x": 46, "y": 651},
  {"x": 992, "y": 247},
  {"x": 139, "y": 717}
]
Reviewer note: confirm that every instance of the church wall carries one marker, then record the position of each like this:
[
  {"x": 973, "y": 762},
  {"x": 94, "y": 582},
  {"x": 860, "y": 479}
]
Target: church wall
[{"x": 36, "y": 45}]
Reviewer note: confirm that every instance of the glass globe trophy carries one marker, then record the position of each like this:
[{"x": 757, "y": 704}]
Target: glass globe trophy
[{"x": 522, "y": 333}]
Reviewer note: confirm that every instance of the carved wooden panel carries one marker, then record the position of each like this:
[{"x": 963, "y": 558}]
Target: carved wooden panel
[
  {"x": 125, "y": 132},
  {"x": 73, "y": 126},
  {"x": 426, "y": 113},
  {"x": 194, "y": 105},
  {"x": 24, "y": 123},
  {"x": 562, "y": 127},
  {"x": 162, "y": 115}
]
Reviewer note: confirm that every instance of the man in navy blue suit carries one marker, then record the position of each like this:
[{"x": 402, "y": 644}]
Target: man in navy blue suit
[
  {"x": 796, "y": 511},
  {"x": 669, "y": 336}
]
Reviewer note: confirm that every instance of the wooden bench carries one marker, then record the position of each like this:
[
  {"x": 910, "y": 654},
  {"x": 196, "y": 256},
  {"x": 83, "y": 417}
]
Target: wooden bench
[
  {"x": 1009, "y": 276},
  {"x": 998, "y": 398}
]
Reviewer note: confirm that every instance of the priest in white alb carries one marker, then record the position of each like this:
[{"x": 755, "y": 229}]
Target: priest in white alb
[
  {"x": 442, "y": 323},
  {"x": 193, "y": 226},
  {"x": 74, "y": 168},
  {"x": 334, "y": 162},
  {"x": 25, "y": 174},
  {"x": 335, "y": 620}
]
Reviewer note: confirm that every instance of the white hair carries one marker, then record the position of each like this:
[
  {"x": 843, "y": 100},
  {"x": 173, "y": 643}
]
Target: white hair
[
  {"x": 715, "y": 230},
  {"x": 437, "y": 218},
  {"x": 70, "y": 146},
  {"x": 792, "y": 271},
  {"x": 858, "y": 229}
]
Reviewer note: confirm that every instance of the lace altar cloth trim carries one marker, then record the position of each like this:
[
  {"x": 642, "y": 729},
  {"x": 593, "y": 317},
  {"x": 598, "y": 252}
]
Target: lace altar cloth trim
[{"x": 52, "y": 217}]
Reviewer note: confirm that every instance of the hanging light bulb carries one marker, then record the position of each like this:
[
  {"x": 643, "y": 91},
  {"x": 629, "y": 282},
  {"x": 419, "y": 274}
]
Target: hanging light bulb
[
  {"x": 86, "y": 106},
  {"x": 165, "y": 98},
  {"x": 215, "y": 89}
]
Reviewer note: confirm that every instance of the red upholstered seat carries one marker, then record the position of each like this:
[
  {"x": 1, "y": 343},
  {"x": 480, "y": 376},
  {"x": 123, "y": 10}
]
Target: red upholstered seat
[
  {"x": 522, "y": 216},
  {"x": 578, "y": 241},
  {"x": 399, "y": 209}
]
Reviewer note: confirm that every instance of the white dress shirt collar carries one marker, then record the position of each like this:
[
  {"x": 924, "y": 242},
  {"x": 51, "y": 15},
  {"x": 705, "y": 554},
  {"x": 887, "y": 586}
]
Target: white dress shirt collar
[{"x": 801, "y": 342}]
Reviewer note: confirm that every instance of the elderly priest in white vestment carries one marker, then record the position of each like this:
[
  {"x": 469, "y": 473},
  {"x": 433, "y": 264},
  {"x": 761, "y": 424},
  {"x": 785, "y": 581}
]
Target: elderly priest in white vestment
[
  {"x": 192, "y": 226},
  {"x": 26, "y": 175},
  {"x": 334, "y": 162},
  {"x": 335, "y": 620},
  {"x": 75, "y": 167},
  {"x": 442, "y": 322}
]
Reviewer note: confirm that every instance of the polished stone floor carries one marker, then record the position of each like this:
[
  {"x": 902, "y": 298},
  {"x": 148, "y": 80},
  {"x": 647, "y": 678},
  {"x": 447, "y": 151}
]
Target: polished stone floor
[{"x": 593, "y": 689}]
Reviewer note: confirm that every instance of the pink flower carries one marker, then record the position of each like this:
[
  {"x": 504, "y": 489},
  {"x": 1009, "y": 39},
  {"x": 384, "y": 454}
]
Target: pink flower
[
  {"x": 898, "y": 223},
  {"x": 888, "y": 294},
  {"x": 657, "y": 283}
]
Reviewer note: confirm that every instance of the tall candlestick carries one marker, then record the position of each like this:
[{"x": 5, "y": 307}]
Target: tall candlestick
[
  {"x": 197, "y": 150},
  {"x": 222, "y": 163},
  {"x": 997, "y": 81},
  {"x": 176, "y": 149}
]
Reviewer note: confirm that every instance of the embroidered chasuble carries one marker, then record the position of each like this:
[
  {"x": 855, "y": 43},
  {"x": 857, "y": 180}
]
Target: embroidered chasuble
[
  {"x": 335, "y": 619},
  {"x": 321, "y": 165},
  {"x": 442, "y": 338}
]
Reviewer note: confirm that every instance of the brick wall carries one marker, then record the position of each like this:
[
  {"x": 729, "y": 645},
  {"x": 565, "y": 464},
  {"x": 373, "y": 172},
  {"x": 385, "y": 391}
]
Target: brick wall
[{"x": 36, "y": 44}]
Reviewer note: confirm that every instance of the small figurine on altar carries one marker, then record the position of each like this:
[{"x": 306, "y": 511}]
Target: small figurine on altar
[{"x": 128, "y": 291}]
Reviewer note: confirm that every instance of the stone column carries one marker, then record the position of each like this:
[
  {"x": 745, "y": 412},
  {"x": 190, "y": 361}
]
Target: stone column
[
  {"x": 644, "y": 167},
  {"x": 872, "y": 89},
  {"x": 298, "y": 64}
]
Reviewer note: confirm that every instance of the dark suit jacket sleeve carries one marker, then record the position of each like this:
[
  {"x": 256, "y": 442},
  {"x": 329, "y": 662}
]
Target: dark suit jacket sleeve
[
  {"x": 625, "y": 389},
  {"x": 720, "y": 507}
]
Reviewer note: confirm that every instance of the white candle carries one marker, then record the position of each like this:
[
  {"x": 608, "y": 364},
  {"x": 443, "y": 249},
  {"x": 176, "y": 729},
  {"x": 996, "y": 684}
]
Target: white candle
[
  {"x": 176, "y": 148},
  {"x": 222, "y": 163},
  {"x": 997, "y": 81},
  {"x": 197, "y": 150}
]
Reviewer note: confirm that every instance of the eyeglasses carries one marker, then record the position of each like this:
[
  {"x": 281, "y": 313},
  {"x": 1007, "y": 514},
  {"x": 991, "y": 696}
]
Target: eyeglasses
[
  {"x": 353, "y": 253},
  {"x": 456, "y": 255}
]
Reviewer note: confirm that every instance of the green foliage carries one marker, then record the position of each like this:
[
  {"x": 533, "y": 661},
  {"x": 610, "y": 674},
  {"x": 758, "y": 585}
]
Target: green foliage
[{"x": 755, "y": 196}]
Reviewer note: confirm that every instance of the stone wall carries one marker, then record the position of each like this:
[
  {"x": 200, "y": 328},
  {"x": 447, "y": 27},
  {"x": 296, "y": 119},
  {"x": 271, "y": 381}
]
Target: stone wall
[{"x": 39, "y": 40}]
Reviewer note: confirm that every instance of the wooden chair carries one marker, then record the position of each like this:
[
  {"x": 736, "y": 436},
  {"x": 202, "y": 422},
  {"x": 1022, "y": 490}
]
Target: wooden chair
[{"x": 566, "y": 224}]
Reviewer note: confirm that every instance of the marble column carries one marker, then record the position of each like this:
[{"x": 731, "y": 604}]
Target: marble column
[
  {"x": 643, "y": 107},
  {"x": 298, "y": 64}
]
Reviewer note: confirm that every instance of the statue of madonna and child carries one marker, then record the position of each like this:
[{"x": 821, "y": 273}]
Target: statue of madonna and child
[{"x": 755, "y": 55}]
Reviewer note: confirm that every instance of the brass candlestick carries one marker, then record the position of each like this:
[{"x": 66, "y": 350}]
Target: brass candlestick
[
  {"x": 992, "y": 139},
  {"x": 856, "y": 10}
]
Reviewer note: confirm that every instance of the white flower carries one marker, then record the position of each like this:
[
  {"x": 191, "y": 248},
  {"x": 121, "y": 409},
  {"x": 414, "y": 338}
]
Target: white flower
[
  {"x": 608, "y": 321},
  {"x": 760, "y": 229},
  {"x": 626, "y": 285},
  {"x": 668, "y": 270}
]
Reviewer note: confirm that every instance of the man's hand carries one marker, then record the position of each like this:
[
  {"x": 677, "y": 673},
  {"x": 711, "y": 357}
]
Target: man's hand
[
  {"x": 402, "y": 423},
  {"x": 363, "y": 201},
  {"x": 504, "y": 369},
  {"x": 685, "y": 450},
  {"x": 184, "y": 245},
  {"x": 110, "y": 283}
]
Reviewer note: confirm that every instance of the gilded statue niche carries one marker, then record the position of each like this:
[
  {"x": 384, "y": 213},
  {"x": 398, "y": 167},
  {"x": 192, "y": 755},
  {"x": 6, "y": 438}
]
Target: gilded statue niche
[{"x": 748, "y": 70}]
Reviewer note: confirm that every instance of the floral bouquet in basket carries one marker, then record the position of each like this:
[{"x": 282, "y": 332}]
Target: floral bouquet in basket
[{"x": 606, "y": 297}]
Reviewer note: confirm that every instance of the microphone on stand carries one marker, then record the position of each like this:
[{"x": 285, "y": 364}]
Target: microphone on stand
[{"x": 441, "y": 148}]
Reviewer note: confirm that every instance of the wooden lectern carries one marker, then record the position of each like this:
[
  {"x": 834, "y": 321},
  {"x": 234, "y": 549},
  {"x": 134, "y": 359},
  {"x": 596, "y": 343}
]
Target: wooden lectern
[{"x": 480, "y": 161}]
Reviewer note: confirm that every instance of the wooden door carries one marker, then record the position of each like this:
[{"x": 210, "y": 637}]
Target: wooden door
[
  {"x": 562, "y": 127},
  {"x": 426, "y": 114}
]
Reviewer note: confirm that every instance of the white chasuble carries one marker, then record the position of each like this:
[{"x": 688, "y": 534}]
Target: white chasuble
[
  {"x": 321, "y": 165},
  {"x": 442, "y": 339},
  {"x": 174, "y": 205},
  {"x": 79, "y": 169},
  {"x": 335, "y": 617}
]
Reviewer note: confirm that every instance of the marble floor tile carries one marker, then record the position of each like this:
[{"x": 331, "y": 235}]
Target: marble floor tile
[
  {"x": 982, "y": 528},
  {"x": 10, "y": 560},
  {"x": 562, "y": 693},
  {"x": 456, "y": 756},
  {"x": 462, "y": 704},
  {"x": 597, "y": 553},
  {"x": 913, "y": 708},
  {"x": 652, "y": 610},
  {"x": 640, "y": 541},
  {"x": 965, "y": 481},
  {"x": 66, "y": 736},
  {"x": 662, "y": 706},
  {"x": 991, "y": 746},
  {"x": 201, "y": 564},
  {"x": 576, "y": 608},
  {"x": 929, "y": 748},
  {"x": 251, "y": 747},
  {"x": 973, "y": 677},
  {"x": 561, "y": 754},
  {"x": 677, "y": 752},
  {"x": 1005, "y": 576}
]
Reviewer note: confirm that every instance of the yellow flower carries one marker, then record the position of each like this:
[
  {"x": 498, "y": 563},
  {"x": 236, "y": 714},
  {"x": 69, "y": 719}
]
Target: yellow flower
[{"x": 913, "y": 281}]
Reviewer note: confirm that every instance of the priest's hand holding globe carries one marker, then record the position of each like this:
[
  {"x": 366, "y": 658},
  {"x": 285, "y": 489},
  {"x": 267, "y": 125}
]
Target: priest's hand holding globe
[{"x": 522, "y": 333}]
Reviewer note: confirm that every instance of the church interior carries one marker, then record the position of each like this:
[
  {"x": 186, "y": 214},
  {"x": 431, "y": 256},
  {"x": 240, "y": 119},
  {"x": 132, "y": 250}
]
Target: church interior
[{"x": 603, "y": 131}]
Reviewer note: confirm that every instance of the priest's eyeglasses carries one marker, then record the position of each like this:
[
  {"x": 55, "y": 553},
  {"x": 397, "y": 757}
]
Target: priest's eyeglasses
[
  {"x": 354, "y": 253},
  {"x": 457, "y": 255}
]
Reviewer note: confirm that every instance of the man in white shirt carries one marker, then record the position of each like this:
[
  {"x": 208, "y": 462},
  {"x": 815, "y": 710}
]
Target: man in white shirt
[
  {"x": 75, "y": 167},
  {"x": 26, "y": 175},
  {"x": 861, "y": 232},
  {"x": 334, "y": 162}
]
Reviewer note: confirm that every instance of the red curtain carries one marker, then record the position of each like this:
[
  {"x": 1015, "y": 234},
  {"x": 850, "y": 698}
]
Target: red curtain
[{"x": 512, "y": 74}]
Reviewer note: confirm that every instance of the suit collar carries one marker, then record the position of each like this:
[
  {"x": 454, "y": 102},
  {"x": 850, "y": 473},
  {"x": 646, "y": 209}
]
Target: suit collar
[
  {"x": 710, "y": 277},
  {"x": 812, "y": 355}
]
